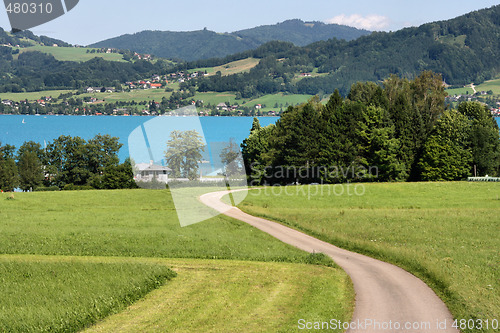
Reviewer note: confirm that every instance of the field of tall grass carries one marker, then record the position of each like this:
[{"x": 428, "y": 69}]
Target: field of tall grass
[{"x": 54, "y": 294}]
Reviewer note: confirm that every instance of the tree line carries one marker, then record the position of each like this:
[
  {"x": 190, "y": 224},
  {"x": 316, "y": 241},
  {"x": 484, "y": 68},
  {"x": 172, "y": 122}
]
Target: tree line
[
  {"x": 397, "y": 131},
  {"x": 65, "y": 163}
]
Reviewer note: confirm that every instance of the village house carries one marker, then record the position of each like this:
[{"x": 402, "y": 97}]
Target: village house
[
  {"x": 145, "y": 172},
  {"x": 222, "y": 106},
  {"x": 92, "y": 90}
]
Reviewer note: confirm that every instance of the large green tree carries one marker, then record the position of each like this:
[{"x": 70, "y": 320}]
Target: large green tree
[
  {"x": 231, "y": 160},
  {"x": 73, "y": 160},
  {"x": 256, "y": 151},
  {"x": 9, "y": 178},
  {"x": 379, "y": 146},
  {"x": 484, "y": 138},
  {"x": 102, "y": 151},
  {"x": 30, "y": 158},
  {"x": 67, "y": 161},
  {"x": 183, "y": 153},
  {"x": 31, "y": 172},
  {"x": 118, "y": 176},
  {"x": 447, "y": 154}
]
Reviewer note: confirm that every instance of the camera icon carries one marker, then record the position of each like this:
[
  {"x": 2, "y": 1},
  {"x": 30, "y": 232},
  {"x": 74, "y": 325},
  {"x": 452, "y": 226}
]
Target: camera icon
[{"x": 26, "y": 14}]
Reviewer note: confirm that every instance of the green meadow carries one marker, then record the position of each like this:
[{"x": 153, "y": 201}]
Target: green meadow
[
  {"x": 73, "y": 53},
  {"x": 136, "y": 95},
  {"x": 70, "y": 259},
  {"x": 493, "y": 85},
  {"x": 281, "y": 99},
  {"x": 445, "y": 233},
  {"x": 234, "y": 67},
  {"x": 33, "y": 96}
]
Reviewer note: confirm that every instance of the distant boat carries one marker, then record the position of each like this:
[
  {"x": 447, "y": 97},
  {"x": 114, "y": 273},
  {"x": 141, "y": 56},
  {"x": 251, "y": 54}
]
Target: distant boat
[{"x": 23, "y": 121}]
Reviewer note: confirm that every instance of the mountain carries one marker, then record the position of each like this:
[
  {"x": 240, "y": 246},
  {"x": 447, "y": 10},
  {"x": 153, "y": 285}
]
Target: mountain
[
  {"x": 205, "y": 44},
  {"x": 464, "y": 49},
  {"x": 301, "y": 33},
  {"x": 192, "y": 45}
]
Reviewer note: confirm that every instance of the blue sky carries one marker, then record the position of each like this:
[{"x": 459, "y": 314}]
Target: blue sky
[{"x": 94, "y": 20}]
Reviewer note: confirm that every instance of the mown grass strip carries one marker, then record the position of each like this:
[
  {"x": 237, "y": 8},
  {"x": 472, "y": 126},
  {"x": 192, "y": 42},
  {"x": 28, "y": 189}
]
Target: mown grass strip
[{"x": 235, "y": 296}]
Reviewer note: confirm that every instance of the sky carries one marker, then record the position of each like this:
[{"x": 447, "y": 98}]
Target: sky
[{"x": 95, "y": 20}]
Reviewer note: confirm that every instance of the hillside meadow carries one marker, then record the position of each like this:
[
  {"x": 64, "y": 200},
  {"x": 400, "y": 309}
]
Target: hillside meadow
[
  {"x": 73, "y": 53},
  {"x": 70, "y": 259},
  {"x": 445, "y": 233}
]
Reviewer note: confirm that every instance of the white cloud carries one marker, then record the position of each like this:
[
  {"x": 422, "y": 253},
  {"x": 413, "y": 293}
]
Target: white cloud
[{"x": 369, "y": 22}]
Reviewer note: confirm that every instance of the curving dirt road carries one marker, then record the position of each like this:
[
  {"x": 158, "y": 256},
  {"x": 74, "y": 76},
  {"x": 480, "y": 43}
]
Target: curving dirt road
[{"x": 387, "y": 297}]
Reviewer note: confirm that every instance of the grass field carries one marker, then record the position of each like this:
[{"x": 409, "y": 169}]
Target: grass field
[
  {"x": 445, "y": 233},
  {"x": 461, "y": 91},
  {"x": 48, "y": 294},
  {"x": 137, "y": 95},
  {"x": 215, "y": 98},
  {"x": 239, "y": 66},
  {"x": 493, "y": 85},
  {"x": 121, "y": 233},
  {"x": 33, "y": 96},
  {"x": 73, "y": 53},
  {"x": 281, "y": 99}
]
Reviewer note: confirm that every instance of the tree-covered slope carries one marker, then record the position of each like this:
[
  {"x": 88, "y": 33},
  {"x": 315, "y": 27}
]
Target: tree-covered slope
[
  {"x": 205, "y": 44},
  {"x": 464, "y": 50},
  {"x": 301, "y": 33},
  {"x": 192, "y": 45}
]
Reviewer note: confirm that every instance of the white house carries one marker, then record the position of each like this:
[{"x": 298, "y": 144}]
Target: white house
[{"x": 145, "y": 172}]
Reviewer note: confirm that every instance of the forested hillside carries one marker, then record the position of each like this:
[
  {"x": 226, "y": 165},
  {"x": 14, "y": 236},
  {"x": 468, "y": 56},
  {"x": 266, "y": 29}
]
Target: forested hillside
[
  {"x": 205, "y": 44},
  {"x": 301, "y": 33},
  {"x": 464, "y": 50}
]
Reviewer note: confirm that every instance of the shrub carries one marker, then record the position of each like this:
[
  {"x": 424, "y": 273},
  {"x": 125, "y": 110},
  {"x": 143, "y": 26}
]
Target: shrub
[
  {"x": 71, "y": 187},
  {"x": 47, "y": 189}
]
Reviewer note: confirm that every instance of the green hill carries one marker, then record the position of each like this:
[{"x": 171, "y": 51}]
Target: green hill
[
  {"x": 205, "y": 44},
  {"x": 301, "y": 33},
  {"x": 26, "y": 39}
]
